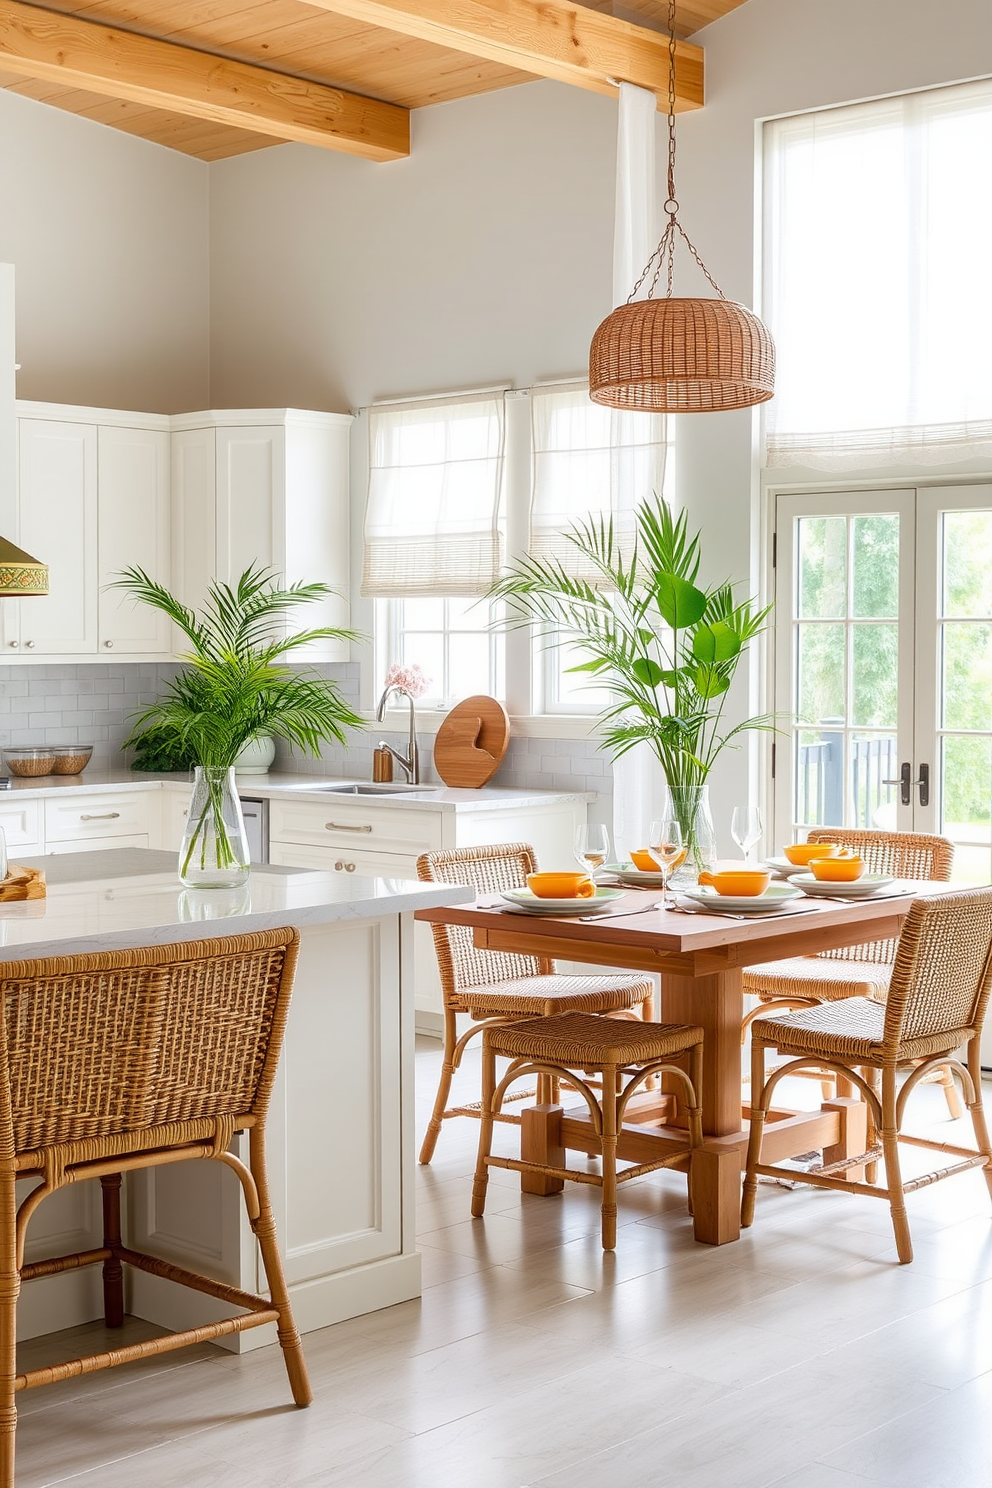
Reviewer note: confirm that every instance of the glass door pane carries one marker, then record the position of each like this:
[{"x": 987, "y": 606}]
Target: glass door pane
[
  {"x": 954, "y": 639},
  {"x": 844, "y": 674}
]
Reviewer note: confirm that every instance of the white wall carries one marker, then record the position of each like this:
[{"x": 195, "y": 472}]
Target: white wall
[
  {"x": 108, "y": 237},
  {"x": 485, "y": 255}
]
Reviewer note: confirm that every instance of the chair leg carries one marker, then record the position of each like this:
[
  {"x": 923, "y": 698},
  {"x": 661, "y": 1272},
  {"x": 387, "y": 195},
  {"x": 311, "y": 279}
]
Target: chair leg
[
  {"x": 976, "y": 1110},
  {"x": 113, "y": 1271},
  {"x": 695, "y": 1113},
  {"x": 754, "y": 1136},
  {"x": 10, "y": 1283},
  {"x": 264, "y": 1228},
  {"x": 949, "y": 1086},
  {"x": 893, "y": 1168},
  {"x": 609, "y": 1213},
  {"x": 481, "y": 1184},
  {"x": 443, "y": 1087},
  {"x": 871, "y": 1168}
]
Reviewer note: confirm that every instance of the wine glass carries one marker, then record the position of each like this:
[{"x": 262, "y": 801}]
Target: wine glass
[
  {"x": 746, "y": 827},
  {"x": 592, "y": 847},
  {"x": 668, "y": 850}
]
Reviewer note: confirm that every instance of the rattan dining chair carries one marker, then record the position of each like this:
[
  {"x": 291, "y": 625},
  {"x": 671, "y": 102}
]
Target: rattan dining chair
[
  {"x": 854, "y": 971},
  {"x": 572, "y": 1046},
  {"x": 126, "y": 1060},
  {"x": 937, "y": 999},
  {"x": 495, "y": 986}
]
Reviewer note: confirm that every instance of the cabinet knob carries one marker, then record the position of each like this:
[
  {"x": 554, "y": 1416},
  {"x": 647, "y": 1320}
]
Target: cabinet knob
[
  {"x": 109, "y": 645},
  {"x": 13, "y": 645},
  {"x": 349, "y": 867},
  {"x": 338, "y": 866},
  {"x": 30, "y": 645}
]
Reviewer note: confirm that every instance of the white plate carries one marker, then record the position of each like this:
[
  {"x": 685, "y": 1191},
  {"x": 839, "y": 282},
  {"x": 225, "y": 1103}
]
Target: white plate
[
  {"x": 627, "y": 873},
  {"x": 775, "y": 896},
  {"x": 529, "y": 903},
  {"x": 860, "y": 888},
  {"x": 782, "y": 867}
]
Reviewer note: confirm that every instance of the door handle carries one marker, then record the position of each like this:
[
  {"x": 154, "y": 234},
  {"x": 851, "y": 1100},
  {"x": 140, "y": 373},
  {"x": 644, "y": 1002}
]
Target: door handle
[
  {"x": 99, "y": 815},
  {"x": 904, "y": 780},
  {"x": 924, "y": 784}
]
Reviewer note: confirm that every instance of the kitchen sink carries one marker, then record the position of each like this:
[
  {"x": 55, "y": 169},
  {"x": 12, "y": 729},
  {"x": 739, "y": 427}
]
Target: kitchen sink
[{"x": 378, "y": 788}]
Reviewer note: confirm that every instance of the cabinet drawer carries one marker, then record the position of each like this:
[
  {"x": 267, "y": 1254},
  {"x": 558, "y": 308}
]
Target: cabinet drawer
[
  {"x": 83, "y": 817},
  {"x": 97, "y": 844},
  {"x": 21, "y": 823},
  {"x": 350, "y": 824},
  {"x": 343, "y": 860}
]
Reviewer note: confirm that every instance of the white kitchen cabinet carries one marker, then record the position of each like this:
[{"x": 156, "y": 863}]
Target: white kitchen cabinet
[
  {"x": 378, "y": 838},
  {"x": 267, "y": 487},
  {"x": 101, "y": 817},
  {"x": 57, "y": 524},
  {"x": 93, "y": 497},
  {"x": 133, "y": 532}
]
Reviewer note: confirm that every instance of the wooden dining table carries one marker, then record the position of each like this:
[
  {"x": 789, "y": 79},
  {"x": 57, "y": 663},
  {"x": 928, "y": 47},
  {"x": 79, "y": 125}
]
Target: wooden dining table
[{"x": 699, "y": 958}]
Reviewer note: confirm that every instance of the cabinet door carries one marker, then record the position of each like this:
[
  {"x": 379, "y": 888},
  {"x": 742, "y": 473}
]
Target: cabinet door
[
  {"x": 133, "y": 505},
  {"x": 194, "y": 515},
  {"x": 57, "y": 503},
  {"x": 251, "y": 499}
]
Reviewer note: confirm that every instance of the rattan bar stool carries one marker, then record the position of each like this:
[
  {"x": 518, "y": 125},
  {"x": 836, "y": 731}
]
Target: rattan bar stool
[
  {"x": 127, "y": 1060},
  {"x": 571, "y": 1046},
  {"x": 495, "y": 986},
  {"x": 938, "y": 995},
  {"x": 854, "y": 971}
]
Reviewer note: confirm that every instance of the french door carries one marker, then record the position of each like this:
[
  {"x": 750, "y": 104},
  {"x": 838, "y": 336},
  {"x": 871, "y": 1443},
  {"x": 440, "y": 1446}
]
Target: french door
[{"x": 883, "y": 665}]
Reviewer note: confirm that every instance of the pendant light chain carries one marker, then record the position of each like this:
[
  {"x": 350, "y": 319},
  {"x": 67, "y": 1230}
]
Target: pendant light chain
[{"x": 664, "y": 255}]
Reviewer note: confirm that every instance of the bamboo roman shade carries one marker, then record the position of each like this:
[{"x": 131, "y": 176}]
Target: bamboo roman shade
[
  {"x": 435, "y": 478},
  {"x": 589, "y": 461}
]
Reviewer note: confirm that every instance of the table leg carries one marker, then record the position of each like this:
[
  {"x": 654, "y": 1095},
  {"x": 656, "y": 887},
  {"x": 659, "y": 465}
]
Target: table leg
[{"x": 540, "y": 1142}]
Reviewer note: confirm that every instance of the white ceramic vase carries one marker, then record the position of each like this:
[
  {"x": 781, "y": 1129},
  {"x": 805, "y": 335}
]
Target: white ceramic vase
[{"x": 257, "y": 756}]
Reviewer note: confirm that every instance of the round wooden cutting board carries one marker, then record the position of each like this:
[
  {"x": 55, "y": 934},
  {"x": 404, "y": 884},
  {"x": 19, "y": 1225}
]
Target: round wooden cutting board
[{"x": 471, "y": 742}]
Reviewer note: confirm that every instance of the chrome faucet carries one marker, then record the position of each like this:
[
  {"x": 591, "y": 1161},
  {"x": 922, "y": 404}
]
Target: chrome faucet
[{"x": 411, "y": 761}]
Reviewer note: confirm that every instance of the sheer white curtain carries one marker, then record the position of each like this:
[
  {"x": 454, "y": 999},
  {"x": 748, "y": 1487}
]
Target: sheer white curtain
[
  {"x": 435, "y": 478},
  {"x": 588, "y": 461},
  {"x": 638, "y": 782},
  {"x": 878, "y": 228}
]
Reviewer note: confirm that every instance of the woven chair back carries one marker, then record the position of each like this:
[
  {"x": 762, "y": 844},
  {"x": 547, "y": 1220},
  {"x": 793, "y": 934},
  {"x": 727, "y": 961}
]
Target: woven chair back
[
  {"x": 943, "y": 968},
  {"x": 489, "y": 870},
  {"x": 96, "y": 1046},
  {"x": 914, "y": 855}
]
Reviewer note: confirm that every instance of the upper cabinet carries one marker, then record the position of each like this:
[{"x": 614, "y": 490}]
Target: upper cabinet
[
  {"x": 187, "y": 499},
  {"x": 92, "y": 498},
  {"x": 268, "y": 487}
]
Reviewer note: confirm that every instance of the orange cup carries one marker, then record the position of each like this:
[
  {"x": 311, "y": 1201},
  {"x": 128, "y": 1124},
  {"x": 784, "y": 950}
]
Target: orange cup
[
  {"x": 800, "y": 853},
  {"x": 561, "y": 885},
  {"x": 643, "y": 860},
  {"x": 744, "y": 882},
  {"x": 843, "y": 868}
]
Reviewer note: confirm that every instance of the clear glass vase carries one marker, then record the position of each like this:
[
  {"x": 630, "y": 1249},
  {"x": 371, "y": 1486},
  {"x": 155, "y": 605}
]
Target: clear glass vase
[
  {"x": 691, "y": 806},
  {"x": 214, "y": 852}
]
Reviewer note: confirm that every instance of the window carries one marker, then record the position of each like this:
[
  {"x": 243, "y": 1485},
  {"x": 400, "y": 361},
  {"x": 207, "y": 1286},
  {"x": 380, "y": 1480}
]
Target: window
[
  {"x": 877, "y": 224},
  {"x": 453, "y": 485}
]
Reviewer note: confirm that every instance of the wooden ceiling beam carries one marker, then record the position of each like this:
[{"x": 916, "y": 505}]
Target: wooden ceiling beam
[
  {"x": 59, "y": 48},
  {"x": 547, "y": 38}
]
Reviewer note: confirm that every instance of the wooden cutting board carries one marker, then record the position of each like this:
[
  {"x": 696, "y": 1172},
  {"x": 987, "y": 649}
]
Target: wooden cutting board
[
  {"x": 22, "y": 883},
  {"x": 471, "y": 742}
]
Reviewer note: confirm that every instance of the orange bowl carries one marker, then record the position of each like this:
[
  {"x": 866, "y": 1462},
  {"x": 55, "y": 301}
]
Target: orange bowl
[
  {"x": 844, "y": 868},
  {"x": 742, "y": 882},
  {"x": 801, "y": 853},
  {"x": 561, "y": 885},
  {"x": 643, "y": 860}
]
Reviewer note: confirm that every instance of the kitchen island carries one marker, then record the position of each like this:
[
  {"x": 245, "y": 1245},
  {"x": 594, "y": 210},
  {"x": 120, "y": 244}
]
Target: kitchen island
[{"x": 341, "y": 1143}]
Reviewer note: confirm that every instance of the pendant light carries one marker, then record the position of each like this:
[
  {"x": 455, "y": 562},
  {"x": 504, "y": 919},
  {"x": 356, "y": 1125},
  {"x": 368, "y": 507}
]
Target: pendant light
[
  {"x": 20, "y": 575},
  {"x": 679, "y": 355}
]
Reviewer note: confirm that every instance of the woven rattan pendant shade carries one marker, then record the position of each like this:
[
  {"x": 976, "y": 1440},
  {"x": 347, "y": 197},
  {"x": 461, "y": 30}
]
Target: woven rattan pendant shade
[
  {"x": 20, "y": 574},
  {"x": 681, "y": 356}
]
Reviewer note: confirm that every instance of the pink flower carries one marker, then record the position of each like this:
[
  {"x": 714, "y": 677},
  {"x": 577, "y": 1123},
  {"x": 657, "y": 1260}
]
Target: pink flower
[{"x": 413, "y": 679}]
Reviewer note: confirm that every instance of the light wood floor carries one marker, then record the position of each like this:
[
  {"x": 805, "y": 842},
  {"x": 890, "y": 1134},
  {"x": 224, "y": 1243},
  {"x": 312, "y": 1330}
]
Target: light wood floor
[{"x": 803, "y": 1357}]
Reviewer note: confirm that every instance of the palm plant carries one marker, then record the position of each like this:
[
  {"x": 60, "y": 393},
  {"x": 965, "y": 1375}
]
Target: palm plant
[
  {"x": 665, "y": 649},
  {"x": 235, "y": 683}
]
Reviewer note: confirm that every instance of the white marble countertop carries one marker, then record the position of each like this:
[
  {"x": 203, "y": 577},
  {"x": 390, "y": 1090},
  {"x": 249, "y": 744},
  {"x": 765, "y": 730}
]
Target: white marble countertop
[
  {"x": 123, "y": 904},
  {"x": 309, "y": 787}
]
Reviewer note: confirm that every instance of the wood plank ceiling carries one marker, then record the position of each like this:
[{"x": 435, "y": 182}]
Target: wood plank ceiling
[{"x": 186, "y": 73}]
